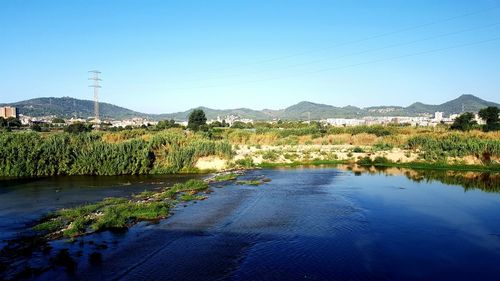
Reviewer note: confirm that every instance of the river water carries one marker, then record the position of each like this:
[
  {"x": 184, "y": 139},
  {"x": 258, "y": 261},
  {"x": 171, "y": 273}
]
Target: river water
[{"x": 306, "y": 224}]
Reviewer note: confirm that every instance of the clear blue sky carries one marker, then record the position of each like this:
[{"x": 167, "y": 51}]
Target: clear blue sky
[{"x": 165, "y": 56}]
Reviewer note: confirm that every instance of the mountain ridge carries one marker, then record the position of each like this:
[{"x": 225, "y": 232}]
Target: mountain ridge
[{"x": 68, "y": 107}]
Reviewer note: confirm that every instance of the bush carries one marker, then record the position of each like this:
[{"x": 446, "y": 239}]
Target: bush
[
  {"x": 365, "y": 161},
  {"x": 464, "y": 122},
  {"x": 377, "y": 130},
  {"x": 247, "y": 162},
  {"x": 78, "y": 128},
  {"x": 379, "y": 160},
  {"x": 382, "y": 146},
  {"x": 36, "y": 128},
  {"x": 357, "y": 149},
  {"x": 270, "y": 155}
]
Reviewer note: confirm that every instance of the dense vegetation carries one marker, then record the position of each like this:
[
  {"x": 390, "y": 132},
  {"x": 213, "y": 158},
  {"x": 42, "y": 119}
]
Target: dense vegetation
[
  {"x": 26, "y": 154},
  {"x": 455, "y": 145},
  {"x": 9, "y": 123},
  {"x": 167, "y": 149},
  {"x": 490, "y": 115},
  {"x": 464, "y": 122},
  {"x": 431, "y": 144}
]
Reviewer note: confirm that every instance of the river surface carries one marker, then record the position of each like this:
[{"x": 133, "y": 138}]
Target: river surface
[{"x": 306, "y": 224}]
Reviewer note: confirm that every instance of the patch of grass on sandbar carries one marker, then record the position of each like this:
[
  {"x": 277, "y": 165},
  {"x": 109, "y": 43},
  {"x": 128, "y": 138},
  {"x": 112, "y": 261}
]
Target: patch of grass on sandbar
[
  {"x": 225, "y": 177},
  {"x": 250, "y": 182},
  {"x": 116, "y": 213}
]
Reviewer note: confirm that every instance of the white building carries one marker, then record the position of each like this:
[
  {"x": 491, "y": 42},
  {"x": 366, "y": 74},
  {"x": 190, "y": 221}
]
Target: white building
[
  {"x": 438, "y": 116},
  {"x": 344, "y": 122},
  {"x": 134, "y": 122},
  {"x": 478, "y": 119},
  {"x": 230, "y": 119}
]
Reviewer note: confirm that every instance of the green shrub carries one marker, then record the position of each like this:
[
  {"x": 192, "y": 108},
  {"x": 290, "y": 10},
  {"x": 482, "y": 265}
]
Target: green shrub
[
  {"x": 357, "y": 149},
  {"x": 382, "y": 146},
  {"x": 225, "y": 177},
  {"x": 246, "y": 162},
  {"x": 379, "y": 160},
  {"x": 365, "y": 161},
  {"x": 270, "y": 155}
]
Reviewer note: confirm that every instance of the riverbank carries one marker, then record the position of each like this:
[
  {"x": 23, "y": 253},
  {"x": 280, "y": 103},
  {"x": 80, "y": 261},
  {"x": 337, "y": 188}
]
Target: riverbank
[
  {"x": 410, "y": 165},
  {"x": 151, "y": 151},
  {"x": 248, "y": 157}
]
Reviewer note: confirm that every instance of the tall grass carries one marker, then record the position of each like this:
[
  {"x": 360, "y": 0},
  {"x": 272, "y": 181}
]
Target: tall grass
[
  {"x": 33, "y": 154},
  {"x": 454, "y": 145}
]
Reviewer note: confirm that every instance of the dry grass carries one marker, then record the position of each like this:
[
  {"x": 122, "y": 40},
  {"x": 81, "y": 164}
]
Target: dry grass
[
  {"x": 364, "y": 139},
  {"x": 398, "y": 137}
]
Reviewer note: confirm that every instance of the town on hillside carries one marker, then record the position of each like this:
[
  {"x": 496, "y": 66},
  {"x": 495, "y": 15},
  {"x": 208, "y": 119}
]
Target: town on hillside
[{"x": 56, "y": 121}]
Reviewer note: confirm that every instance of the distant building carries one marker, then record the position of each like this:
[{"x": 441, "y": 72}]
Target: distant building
[
  {"x": 230, "y": 119},
  {"x": 134, "y": 122},
  {"x": 344, "y": 122},
  {"x": 438, "y": 116},
  {"x": 25, "y": 120},
  {"x": 8, "y": 111},
  {"x": 479, "y": 120}
]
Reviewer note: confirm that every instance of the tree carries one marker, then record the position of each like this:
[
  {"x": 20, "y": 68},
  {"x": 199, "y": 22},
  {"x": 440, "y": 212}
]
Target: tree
[
  {"x": 464, "y": 122},
  {"x": 166, "y": 124},
  {"x": 10, "y": 122},
  {"x": 78, "y": 128},
  {"x": 197, "y": 120},
  {"x": 216, "y": 124},
  {"x": 35, "y": 127},
  {"x": 241, "y": 125},
  {"x": 490, "y": 115},
  {"x": 58, "y": 121}
]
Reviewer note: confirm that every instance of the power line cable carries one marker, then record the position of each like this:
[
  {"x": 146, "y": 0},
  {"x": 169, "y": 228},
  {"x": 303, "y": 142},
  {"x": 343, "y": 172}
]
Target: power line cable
[
  {"x": 354, "y": 41},
  {"x": 352, "y": 54},
  {"x": 346, "y": 66}
]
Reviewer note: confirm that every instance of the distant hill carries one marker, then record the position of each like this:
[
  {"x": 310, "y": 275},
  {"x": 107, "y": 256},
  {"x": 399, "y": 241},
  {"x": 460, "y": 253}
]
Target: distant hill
[
  {"x": 470, "y": 103},
  {"x": 303, "y": 109},
  {"x": 464, "y": 103},
  {"x": 213, "y": 113},
  {"x": 69, "y": 107}
]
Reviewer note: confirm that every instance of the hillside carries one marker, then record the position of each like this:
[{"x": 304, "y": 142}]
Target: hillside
[
  {"x": 69, "y": 107},
  {"x": 470, "y": 103},
  {"x": 303, "y": 109},
  {"x": 213, "y": 113}
]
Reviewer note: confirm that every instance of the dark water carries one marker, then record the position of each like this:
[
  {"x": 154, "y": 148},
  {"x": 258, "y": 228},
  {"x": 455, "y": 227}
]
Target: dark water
[
  {"x": 26, "y": 200},
  {"x": 311, "y": 224}
]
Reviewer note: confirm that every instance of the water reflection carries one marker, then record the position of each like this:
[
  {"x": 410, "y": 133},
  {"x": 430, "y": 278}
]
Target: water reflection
[{"x": 485, "y": 181}]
